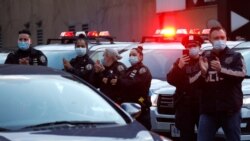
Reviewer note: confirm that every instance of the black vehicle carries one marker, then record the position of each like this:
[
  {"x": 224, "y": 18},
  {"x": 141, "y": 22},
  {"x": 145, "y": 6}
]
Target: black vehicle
[{"x": 40, "y": 103}]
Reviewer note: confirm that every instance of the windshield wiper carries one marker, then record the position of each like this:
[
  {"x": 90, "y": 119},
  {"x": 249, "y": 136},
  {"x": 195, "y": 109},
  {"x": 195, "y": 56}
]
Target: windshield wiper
[
  {"x": 74, "y": 123},
  {"x": 4, "y": 129}
]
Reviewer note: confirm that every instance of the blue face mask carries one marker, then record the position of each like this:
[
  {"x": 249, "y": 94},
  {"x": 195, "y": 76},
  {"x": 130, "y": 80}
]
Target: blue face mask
[
  {"x": 219, "y": 45},
  {"x": 81, "y": 51},
  {"x": 23, "y": 45},
  {"x": 133, "y": 60}
]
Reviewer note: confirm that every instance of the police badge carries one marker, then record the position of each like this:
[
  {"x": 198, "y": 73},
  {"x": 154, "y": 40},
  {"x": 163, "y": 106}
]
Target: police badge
[{"x": 229, "y": 60}]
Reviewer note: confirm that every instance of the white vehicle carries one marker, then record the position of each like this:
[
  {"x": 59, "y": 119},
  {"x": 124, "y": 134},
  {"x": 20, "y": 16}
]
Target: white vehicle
[{"x": 55, "y": 52}]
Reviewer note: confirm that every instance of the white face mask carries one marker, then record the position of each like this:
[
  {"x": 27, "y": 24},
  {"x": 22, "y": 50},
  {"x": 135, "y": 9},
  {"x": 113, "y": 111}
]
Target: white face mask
[
  {"x": 219, "y": 45},
  {"x": 81, "y": 51},
  {"x": 194, "y": 51}
]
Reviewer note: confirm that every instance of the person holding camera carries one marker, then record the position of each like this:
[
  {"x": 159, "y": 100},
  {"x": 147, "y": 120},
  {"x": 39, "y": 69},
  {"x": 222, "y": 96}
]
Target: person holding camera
[{"x": 185, "y": 75}]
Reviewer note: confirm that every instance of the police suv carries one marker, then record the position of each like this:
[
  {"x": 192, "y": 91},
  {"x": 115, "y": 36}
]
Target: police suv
[{"x": 64, "y": 47}]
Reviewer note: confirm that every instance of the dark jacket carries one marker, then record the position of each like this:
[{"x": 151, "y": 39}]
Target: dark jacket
[
  {"x": 36, "y": 57},
  {"x": 114, "y": 71},
  {"x": 187, "y": 82},
  {"x": 83, "y": 67},
  {"x": 135, "y": 85},
  {"x": 222, "y": 91}
]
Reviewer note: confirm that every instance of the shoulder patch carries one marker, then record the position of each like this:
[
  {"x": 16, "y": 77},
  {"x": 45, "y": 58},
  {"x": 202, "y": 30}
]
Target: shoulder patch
[
  {"x": 89, "y": 67},
  {"x": 229, "y": 60},
  {"x": 120, "y": 68},
  {"x": 142, "y": 70},
  {"x": 43, "y": 59}
]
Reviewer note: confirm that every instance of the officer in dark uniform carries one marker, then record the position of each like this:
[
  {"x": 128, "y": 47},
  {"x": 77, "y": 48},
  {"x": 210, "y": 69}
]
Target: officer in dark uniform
[
  {"x": 107, "y": 69},
  {"x": 135, "y": 84},
  {"x": 186, "y": 77},
  {"x": 221, "y": 101},
  {"x": 82, "y": 66},
  {"x": 26, "y": 55}
]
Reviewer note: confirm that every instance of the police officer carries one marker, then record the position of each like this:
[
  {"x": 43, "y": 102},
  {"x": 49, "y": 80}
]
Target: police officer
[
  {"x": 186, "y": 77},
  {"x": 135, "y": 84},
  {"x": 107, "y": 69},
  {"x": 221, "y": 101},
  {"x": 26, "y": 55},
  {"x": 81, "y": 65}
]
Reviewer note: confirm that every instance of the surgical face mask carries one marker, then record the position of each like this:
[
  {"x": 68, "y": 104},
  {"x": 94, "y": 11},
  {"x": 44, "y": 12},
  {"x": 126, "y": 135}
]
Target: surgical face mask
[
  {"x": 194, "y": 51},
  {"x": 219, "y": 45},
  {"x": 133, "y": 60},
  {"x": 23, "y": 45},
  {"x": 81, "y": 51}
]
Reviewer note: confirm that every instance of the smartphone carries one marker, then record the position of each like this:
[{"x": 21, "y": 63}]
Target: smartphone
[{"x": 185, "y": 52}]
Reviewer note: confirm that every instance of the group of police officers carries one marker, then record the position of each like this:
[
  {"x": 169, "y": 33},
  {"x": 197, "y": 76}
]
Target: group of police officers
[{"x": 208, "y": 86}]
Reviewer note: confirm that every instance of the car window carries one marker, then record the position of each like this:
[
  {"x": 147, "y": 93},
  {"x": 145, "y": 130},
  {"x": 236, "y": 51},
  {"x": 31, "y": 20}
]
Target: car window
[
  {"x": 37, "y": 99},
  {"x": 159, "y": 61},
  {"x": 55, "y": 57},
  {"x": 243, "y": 45},
  {"x": 246, "y": 54},
  {"x": 97, "y": 55}
]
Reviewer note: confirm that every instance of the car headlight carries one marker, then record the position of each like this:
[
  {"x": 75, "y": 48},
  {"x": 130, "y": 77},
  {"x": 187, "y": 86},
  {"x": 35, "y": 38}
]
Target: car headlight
[
  {"x": 154, "y": 98},
  {"x": 246, "y": 102}
]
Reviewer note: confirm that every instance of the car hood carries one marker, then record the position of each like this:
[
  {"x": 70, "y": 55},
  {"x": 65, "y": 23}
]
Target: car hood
[
  {"x": 161, "y": 87},
  {"x": 133, "y": 132}
]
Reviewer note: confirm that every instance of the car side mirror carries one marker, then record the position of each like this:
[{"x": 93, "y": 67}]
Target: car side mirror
[{"x": 133, "y": 109}]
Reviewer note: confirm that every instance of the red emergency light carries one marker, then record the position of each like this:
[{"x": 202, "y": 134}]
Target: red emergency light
[
  {"x": 67, "y": 34},
  {"x": 92, "y": 34},
  {"x": 166, "y": 32}
]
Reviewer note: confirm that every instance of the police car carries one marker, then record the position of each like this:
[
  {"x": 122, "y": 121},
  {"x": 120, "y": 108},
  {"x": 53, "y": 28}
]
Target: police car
[
  {"x": 49, "y": 104},
  {"x": 55, "y": 52}
]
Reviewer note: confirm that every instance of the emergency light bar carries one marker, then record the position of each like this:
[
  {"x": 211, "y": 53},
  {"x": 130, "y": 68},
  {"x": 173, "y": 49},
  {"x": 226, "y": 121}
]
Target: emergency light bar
[
  {"x": 67, "y": 34},
  {"x": 205, "y": 31},
  {"x": 92, "y": 34},
  {"x": 104, "y": 34}
]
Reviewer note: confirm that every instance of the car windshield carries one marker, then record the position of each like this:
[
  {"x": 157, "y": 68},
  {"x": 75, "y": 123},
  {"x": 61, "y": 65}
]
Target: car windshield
[
  {"x": 27, "y": 100},
  {"x": 159, "y": 61}
]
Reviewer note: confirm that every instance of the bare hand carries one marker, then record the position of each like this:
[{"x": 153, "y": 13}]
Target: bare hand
[
  {"x": 183, "y": 61},
  {"x": 24, "y": 61},
  {"x": 215, "y": 64},
  {"x": 66, "y": 64},
  {"x": 105, "y": 80},
  {"x": 99, "y": 67},
  {"x": 114, "y": 81},
  {"x": 203, "y": 65}
]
